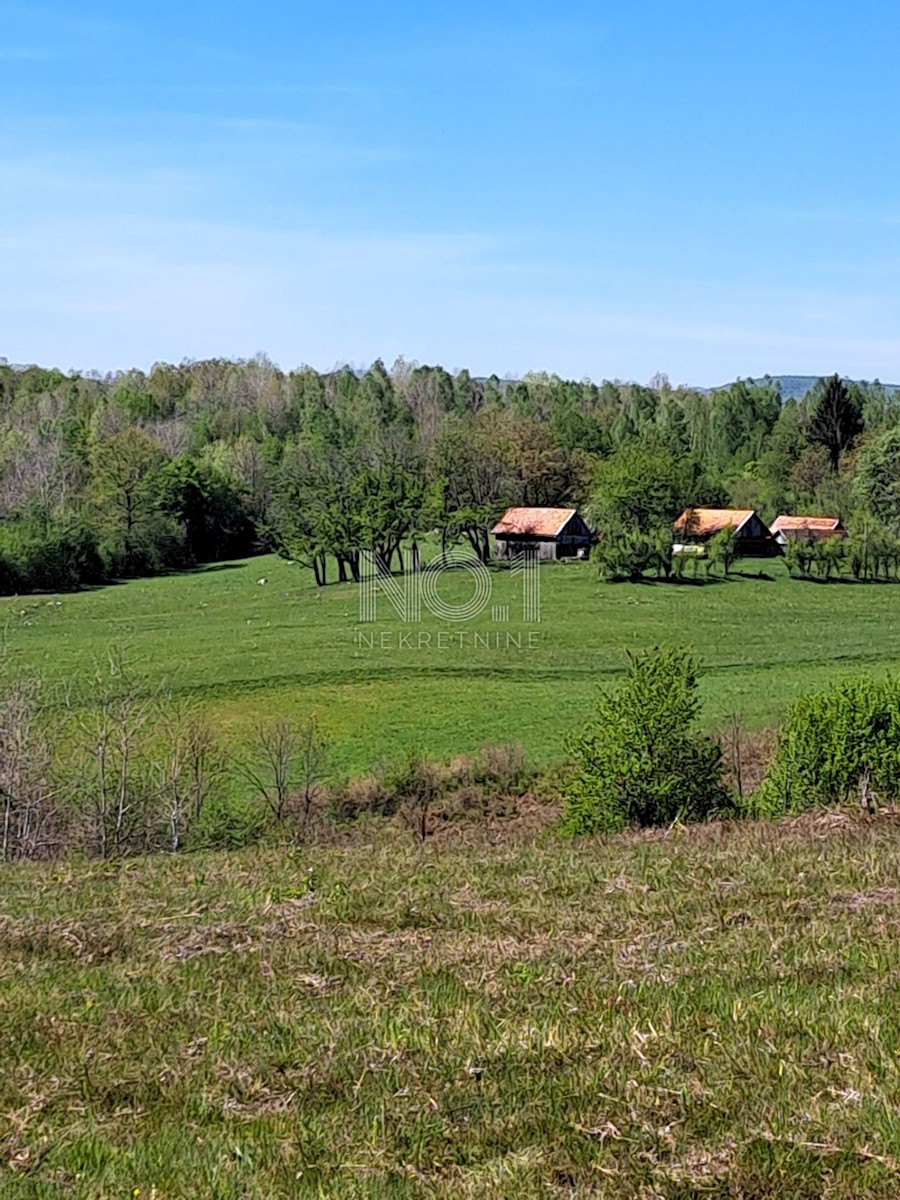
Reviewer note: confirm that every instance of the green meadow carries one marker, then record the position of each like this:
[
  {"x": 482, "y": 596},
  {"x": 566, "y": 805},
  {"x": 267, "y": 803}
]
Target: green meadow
[
  {"x": 246, "y": 651},
  {"x": 703, "y": 1012}
]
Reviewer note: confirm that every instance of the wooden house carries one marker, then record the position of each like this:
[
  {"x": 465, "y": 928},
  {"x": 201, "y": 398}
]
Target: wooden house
[
  {"x": 550, "y": 532},
  {"x": 809, "y": 529},
  {"x": 696, "y": 526}
]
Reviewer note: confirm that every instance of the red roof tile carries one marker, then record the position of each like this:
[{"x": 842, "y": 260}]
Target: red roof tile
[
  {"x": 539, "y": 522},
  {"x": 700, "y": 522},
  {"x": 817, "y": 526}
]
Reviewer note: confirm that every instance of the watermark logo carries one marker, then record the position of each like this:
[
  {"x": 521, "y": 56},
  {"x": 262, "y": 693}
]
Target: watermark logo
[{"x": 411, "y": 594}]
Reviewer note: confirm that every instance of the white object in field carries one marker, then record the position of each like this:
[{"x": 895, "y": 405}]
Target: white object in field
[{"x": 261, "y": 581}]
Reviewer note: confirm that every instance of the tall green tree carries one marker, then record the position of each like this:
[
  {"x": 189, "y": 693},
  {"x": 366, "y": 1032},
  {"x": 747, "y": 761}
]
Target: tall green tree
[
  {"x": 645, "y": 485},
  {"x": 137, "y": 535},
  {"x": 471, "y": 478},
  {"x": 208, "y": 505},
  {"x": 836, "y": 419},
  {"x": 877, "y": 482}
]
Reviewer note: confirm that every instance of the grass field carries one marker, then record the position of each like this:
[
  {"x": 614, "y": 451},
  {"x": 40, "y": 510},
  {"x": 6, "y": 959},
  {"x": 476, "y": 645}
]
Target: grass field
[
  {"x": 703, "y": 1012},
  {"x": 245, "y": 650}
]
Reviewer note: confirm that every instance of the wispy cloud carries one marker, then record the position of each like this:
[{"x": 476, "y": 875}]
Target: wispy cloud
[
  {"x": 61, "y": 21},
  {"x": 113, "y": 292},
  {"x": 171, "y": 289}
]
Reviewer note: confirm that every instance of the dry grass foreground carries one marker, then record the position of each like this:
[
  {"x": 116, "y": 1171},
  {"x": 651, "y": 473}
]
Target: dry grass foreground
[{"x": 703, "y": 1012}]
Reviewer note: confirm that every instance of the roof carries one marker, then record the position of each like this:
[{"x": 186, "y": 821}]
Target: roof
[
  {"x": 539, "y": 522},
  {"x": 814, "y": 525},
  {"x": 701, "y": 522}
]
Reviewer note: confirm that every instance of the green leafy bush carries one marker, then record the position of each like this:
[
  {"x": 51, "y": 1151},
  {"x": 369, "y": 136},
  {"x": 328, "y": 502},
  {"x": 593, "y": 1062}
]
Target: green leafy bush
[
  {"x": 157, "y": 545},
  {"x": 227, "y": 823},
  {"x": 722, "y": 548},
  {"x": 640, "y": 760},
  {"x": 833, "y": 741},
  {"x": 628, "y": 554},
  {"x": 46, "y": 556}
]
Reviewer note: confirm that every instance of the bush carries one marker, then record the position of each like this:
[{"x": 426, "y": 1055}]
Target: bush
[
  {"x": 49, "y": 557},
  {"x": 627, "y": 554},
  {"x": 420, "y": 790},
  {"x": 157, "y": 545},
  {"x": 496, "y": 770},
  {"x": 722, "y": 548},
  {"x": 640, "y": 761},
  {"x": 834, "y": 744},
  {"x": 227, "y": 824},
  {"x": 415, "y": 784},
  {"x": 360, "y": 797}
]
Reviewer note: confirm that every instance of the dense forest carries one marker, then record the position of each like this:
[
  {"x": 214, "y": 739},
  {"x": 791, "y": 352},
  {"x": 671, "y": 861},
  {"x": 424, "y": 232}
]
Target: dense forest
[{"x": 129, "y": 474}]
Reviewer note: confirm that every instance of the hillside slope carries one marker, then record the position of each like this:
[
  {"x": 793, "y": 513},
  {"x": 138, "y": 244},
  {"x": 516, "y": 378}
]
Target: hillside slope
[
  {"x": 709, "y": 1011},
  {"x": 794, "y": 387},
  {"x": 248, "y": 652}
]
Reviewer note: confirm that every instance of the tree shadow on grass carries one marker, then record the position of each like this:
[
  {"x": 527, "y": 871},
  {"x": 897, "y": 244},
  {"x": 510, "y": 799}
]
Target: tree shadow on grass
[
  {"x": 755, "y": 575},
  {"x": 209, "y": 568},
  {"x": 843, "y": 579},
  {"x": 175, "y": 572},
  {"x": 673, "y": 581},
  {"x": 702, "y": 581}
]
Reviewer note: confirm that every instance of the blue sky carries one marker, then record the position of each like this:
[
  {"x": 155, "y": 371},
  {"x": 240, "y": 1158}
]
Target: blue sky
[{"x": 709, "y": 188}]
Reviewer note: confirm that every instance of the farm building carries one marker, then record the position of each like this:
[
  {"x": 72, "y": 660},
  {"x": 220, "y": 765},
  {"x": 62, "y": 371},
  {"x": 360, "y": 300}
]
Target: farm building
[
  {"x": 551, "y": 532},
  {"x": 753, "y": 537},
  {"x": 810, "y": 529}
]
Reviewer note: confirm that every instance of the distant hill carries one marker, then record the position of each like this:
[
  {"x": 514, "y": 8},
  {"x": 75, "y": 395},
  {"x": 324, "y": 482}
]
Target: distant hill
[{"x": 793, "y": 387}]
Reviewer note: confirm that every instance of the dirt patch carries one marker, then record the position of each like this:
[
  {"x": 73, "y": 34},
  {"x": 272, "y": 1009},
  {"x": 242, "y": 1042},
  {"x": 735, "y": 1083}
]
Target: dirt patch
[
  {"x": 210, "y": 939},
  {"x": 856, "y": 901}
]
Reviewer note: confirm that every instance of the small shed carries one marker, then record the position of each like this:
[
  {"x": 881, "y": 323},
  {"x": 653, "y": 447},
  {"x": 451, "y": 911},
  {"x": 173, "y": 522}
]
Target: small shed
[
  {"x": 808, "y": 529},
  {"x": 550, "y": 532},
  {"x": 753, "y": 537}
]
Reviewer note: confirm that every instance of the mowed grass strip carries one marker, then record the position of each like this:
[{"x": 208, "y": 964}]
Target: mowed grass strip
[
  {"x": 710, "y": 1011},
  {"x": 247, "y": 650}
]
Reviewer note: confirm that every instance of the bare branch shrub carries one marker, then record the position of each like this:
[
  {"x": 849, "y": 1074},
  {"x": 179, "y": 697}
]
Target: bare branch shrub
[
  {"x": 286, "y": 757},
  {"x": 28, "y": 803},
  {"x": 415, "y": 785},
  {"x": 191, "y": 765},
  {"x": 108, "y": 772},
  {"x": 312, "y": 755},
  {"x": 746, "y": 755}
]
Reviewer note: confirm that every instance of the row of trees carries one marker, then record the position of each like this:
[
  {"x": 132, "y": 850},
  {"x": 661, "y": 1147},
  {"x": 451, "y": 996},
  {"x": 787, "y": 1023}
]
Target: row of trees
[
  {"x": 326, "y": 503},
  {"x": 840, "y": 468},
  {"x": 136, "y": 511},
  {"x": 134, "y": 473}
]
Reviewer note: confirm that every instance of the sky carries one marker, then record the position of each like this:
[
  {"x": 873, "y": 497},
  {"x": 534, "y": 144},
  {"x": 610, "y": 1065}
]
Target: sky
[{"x": 706, "y": 188}]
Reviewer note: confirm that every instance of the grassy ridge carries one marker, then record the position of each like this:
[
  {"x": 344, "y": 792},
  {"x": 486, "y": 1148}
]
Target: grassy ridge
[
  {"x": 705, "y": 1012},
  {"x": 246, "y": 650}
]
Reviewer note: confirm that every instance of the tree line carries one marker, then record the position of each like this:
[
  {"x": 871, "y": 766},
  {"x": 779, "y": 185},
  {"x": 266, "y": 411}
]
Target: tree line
[{"x": 136, "y": 473}]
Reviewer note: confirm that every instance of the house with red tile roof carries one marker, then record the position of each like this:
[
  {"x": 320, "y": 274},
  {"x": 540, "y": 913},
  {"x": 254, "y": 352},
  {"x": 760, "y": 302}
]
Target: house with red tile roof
[
  {"x": 811, "y": 529},
  {"x": 549, "y": 532},
  {"x": 697, "y": 525}
]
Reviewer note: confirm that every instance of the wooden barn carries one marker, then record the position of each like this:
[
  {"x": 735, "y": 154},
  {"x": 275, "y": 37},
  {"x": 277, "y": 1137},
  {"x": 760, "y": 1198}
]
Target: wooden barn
[
  {"x": 753, "y": 537},
  {"x": 551, "y": 532},
  {"x": 809, "y": 529}
]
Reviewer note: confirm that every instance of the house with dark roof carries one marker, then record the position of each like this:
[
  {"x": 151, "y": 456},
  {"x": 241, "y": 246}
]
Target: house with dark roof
[
  {"x": 808, "y": 529},
  {"x": 752, "y": 537},
  {"x": 549, "y": 532}
]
